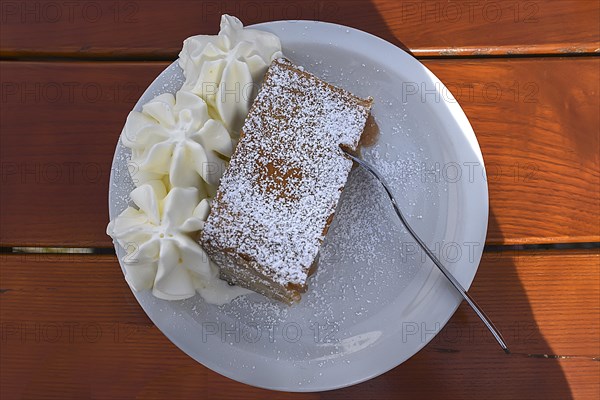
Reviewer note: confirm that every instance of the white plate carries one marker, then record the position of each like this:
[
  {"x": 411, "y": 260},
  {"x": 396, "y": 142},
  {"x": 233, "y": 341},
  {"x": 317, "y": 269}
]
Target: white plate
[{"x": 375, "y": 300}]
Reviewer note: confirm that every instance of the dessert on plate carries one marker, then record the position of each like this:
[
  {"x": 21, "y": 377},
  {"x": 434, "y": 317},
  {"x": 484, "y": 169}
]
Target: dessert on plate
[
  {"x": 226, "y": 69},
  {"x": 278, "y": 196},
  {"x": 179, "y": 145},
  {"x": 270, "y": 205}
]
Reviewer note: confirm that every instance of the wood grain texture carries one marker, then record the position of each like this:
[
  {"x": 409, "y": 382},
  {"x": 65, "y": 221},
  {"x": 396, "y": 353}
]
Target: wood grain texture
[
  {"x": 538, "y": 127},
  {"x": 59, "y": 128},
  {"x": 56, "y": 325},
  {"x": 151, "y": 29},
  {"x": 536, "y": 121}
]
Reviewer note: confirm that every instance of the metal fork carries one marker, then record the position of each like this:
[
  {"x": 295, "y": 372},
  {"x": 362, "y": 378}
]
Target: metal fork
[{"x": 488, "y": 323}]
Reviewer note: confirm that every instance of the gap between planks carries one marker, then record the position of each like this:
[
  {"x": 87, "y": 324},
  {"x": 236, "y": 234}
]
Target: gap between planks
[
  {"x": 83, "y": 251},
  {"x": 450, "y": 55}
]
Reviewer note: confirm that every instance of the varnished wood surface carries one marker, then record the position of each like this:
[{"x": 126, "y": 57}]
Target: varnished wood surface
[
  {"x": 535, "y": 119},
  {"x": 72, "y": 329},
  {"x": 57, "y": 151},
  {"x": 539, "y": 135},
  {"x": 427, "y": 28},
  {"x": 69, "y": 325}
]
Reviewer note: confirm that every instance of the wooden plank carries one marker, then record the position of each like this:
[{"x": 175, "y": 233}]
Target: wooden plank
[
  {"x": 151, "y": 29},
  {"x": 537, "y": 124},
  {"x": 59, "y": 128},
  {"x": 536, "y": 121},
  {"x": 61, "y": 314}
]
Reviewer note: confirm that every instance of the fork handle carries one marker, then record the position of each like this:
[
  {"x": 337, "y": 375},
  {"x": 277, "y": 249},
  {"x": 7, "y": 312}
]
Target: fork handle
[{"x": 488, "y": 323}]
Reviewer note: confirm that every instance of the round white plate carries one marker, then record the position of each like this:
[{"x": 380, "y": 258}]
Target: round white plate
[{"x": 375, "y": 300}]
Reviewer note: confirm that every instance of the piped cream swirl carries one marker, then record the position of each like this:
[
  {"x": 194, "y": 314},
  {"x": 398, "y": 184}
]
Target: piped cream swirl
[
  {"x": 160, "y": 237},
  {"x": 174, "y": 137},
  {"x": 225, "y": 69}
]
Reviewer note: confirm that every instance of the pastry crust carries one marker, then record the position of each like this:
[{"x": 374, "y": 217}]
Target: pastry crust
[{"x": 278, "y": 196}]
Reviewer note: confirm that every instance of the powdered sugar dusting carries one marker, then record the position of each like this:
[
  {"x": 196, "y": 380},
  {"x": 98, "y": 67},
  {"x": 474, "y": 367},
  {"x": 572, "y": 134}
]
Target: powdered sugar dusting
[{"x": 284, "y": 181}]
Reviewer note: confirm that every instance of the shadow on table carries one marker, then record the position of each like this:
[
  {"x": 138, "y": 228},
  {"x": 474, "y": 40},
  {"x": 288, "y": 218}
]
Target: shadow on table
[{"x": 464, "y": 361}]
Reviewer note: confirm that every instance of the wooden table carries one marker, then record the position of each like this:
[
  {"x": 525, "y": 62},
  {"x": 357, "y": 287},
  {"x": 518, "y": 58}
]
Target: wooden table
[{"x": 526, "y": 74}]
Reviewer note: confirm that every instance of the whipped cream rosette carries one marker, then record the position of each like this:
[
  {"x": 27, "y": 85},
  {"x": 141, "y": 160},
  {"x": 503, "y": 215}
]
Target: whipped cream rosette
[
  {"x": 157, "y": 236},
  {"x": 225, "y": 69},
  {"x": 173, "y": 139},
  {"x": 162, "y": 251}
]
